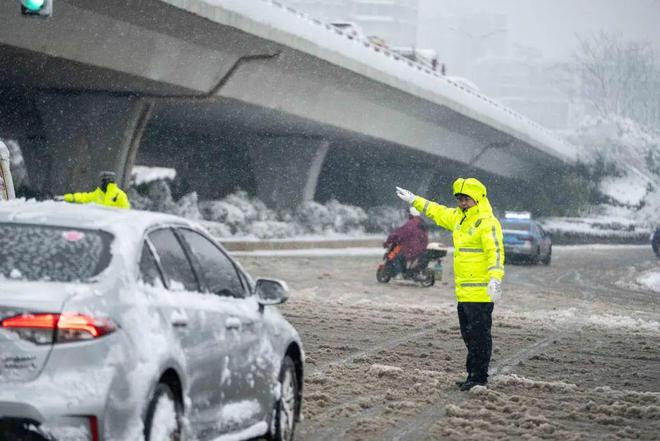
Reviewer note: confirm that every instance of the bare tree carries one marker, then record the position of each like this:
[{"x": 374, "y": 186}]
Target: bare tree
[{"x": 619, "y": 77}]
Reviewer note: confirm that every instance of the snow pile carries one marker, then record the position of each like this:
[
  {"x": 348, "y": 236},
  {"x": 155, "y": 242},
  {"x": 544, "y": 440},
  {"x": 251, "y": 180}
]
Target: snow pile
[
  {"x": 241, "y": 215},
  {"x": 333, "y": 217},
  {"x": 624, "y": 157},
  {"x": 381, "y": 370},
  {"x": 646, "y": 280},
  {"x": 588, "y": 229},
  {"x": 143, "y": 175},
  {"x": 157, "y": 196},
  {"x": 562, "y": 318},
  {"x": 613, "y": 321},
  {"x": 650, "y": 280},
  {"x": 550, "y": 386}
]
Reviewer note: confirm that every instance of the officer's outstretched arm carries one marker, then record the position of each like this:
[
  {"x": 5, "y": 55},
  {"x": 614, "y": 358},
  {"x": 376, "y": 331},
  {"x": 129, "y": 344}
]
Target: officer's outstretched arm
[
  {"x": 441, "y": 215},
  {"x": 79, "y": 198}
]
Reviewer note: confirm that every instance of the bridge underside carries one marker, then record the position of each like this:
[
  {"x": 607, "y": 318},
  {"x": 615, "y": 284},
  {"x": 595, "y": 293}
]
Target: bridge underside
[
  {"x": 283, "y": 162},
  {"x": 226, "y": 109}
]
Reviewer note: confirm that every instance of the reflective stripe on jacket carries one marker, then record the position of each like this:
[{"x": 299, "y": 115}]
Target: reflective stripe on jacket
[
  {"x": 112, "y": 197},
  {"x": 478, "y": 249}
]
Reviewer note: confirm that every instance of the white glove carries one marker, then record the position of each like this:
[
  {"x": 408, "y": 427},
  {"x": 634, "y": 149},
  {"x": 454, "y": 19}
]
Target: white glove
[
  {"x": 405, "y": 195},
  {"x": 59, "y": 198},
  {"x": 495, "y": 290}
]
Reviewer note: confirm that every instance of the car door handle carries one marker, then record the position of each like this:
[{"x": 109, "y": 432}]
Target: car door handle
[{"x": 233, "y": 323}]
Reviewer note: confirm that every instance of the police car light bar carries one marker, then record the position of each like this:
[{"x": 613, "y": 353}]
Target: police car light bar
[{"x": 517, "y": 215}]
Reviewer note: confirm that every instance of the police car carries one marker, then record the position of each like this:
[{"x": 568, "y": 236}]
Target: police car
[{"x": 525, "y": 239}]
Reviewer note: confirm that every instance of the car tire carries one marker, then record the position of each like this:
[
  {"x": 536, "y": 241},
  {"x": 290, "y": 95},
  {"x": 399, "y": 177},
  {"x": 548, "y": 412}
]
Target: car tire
[
  {"x": 536, "y": 258},
  {"x": 286, "y": 407},
  {"x": 163, "y": 404},
  {"x": 548, "y": 258}
]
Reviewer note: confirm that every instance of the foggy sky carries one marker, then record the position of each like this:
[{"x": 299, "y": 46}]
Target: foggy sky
[{"x": 552, "y": 25}]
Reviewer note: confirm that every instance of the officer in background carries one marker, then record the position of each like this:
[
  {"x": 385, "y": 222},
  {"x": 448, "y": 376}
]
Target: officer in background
[
  {"x": 107, "y": 193},
  {"x": 478, "y": 267}
]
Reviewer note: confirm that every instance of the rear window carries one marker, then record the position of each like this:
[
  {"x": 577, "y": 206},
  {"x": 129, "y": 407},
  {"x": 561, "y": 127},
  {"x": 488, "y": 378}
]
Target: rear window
[
  {"x": 57, "y": 254},
  {"x": 515, "y": 225}
]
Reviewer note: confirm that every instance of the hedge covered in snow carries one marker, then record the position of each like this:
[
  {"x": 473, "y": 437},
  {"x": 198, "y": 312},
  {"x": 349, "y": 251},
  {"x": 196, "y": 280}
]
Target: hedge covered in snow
[{"x": 241, "y": 215}]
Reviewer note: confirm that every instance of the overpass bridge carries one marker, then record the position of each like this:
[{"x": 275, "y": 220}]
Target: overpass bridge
[{"x": 245, "y": 93}]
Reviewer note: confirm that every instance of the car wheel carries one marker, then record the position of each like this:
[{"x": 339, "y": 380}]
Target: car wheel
[
  {"x": 287, "y": 406},
  {"x": 163, "y": 419},
  {"x": 536, "y": 258},
  {"x": 547, "y": 259}
]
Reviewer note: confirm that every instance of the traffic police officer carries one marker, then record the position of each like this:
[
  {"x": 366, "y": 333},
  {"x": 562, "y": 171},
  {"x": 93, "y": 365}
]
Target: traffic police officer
[
  {"x": 478, "y": 267},
  {"x": 108, "y": 193}
]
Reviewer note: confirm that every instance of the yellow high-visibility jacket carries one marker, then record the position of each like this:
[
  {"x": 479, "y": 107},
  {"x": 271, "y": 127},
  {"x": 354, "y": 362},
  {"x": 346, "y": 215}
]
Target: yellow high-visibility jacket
[
  {"x": 112, "y": 197},
  {"x": 477, "y": 235}
]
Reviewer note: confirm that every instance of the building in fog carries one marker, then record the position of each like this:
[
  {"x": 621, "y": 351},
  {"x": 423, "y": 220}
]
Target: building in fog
[
  {"x": 462, "y": 37},
  {"x": 394, "y": 21},
  {"x": 529, "y": 84},
  {"x": 477, "y": 45}
]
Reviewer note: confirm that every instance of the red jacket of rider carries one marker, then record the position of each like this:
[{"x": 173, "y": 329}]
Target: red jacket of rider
[{"x": 412, "y": 236}]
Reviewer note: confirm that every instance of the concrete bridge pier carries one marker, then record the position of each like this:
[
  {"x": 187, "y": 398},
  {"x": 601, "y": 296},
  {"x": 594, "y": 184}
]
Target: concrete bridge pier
[
  {"x": 87, "y": 133},
  {"x": 383, "y": 178},
  {"x": 287, "y": 168}
]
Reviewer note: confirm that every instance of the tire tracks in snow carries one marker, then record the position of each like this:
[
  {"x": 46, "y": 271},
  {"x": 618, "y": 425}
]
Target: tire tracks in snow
[
  {"x": 383, "y": 345},
  {"x": 418, "y": 426},
  {"x": 339, "y": 428}
]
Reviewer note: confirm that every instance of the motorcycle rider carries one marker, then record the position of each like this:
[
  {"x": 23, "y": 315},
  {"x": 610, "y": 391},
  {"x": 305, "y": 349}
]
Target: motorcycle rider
[
  {"x": 412, "y": 237},
  {"x": 478, "y": 267}
]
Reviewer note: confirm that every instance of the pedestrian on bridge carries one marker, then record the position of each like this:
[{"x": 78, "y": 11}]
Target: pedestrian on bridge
[
  {"x": 107, "y": 193},
  {"x": 478, "y": 267}
]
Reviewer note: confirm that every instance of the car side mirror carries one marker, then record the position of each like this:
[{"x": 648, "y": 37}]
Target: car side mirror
[{"x": 271, "y": 291}]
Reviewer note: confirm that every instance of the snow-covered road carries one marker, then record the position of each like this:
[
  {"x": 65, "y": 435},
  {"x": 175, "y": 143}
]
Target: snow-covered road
[{"x": 576, "y": 351}]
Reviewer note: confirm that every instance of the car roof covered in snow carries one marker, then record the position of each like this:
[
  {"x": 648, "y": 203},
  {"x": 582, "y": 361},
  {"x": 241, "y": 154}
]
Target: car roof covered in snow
[{"x": 129, "y": 224}]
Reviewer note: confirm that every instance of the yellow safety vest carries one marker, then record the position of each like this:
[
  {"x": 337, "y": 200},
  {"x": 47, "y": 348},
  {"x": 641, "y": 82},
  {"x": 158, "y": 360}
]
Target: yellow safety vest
[
  {"x": 477, "y": 236},
  {"x": 112, "y": 197}
]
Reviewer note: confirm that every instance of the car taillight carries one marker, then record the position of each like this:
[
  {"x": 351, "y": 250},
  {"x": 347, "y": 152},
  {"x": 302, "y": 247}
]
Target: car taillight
[
  {"x": 57, "y": 328},
  {"x": 94, "y": 428}
]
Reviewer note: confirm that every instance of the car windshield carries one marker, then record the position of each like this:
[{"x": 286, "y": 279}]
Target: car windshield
[
  {"x": 56, "y": 254},
  {"x": 515, "y": 225}
]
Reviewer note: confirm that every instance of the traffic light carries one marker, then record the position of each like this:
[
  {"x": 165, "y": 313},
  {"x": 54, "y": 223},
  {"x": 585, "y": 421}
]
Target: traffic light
[{"x": 42, "y": 8}]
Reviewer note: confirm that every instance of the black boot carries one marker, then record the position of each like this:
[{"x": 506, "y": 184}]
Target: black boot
[
  {"x": 471, "y": 383},
  {"x": 459, "y": 384}
]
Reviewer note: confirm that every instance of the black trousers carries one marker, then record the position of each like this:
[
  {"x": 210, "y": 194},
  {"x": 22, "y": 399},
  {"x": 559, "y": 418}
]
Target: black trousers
[{"x": 476, "y": 320}]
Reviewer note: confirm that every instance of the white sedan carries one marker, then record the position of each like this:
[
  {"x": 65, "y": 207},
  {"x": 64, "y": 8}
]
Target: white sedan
[{"x": 129, "y": 325}]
